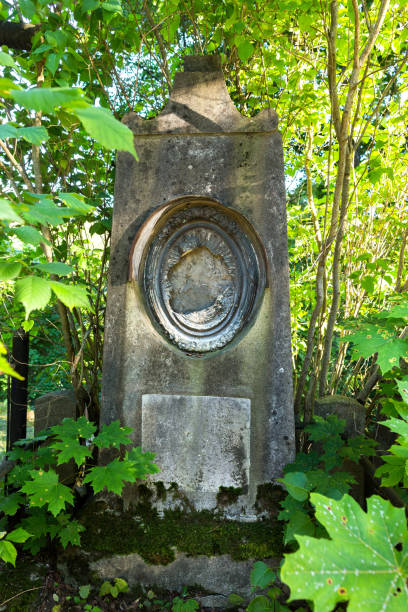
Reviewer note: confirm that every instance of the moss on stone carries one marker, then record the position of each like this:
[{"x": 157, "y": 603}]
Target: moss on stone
[
  {"x": 268, "y": 497},
  {"x": 228, "y": 495},
  {"x": 157, "y": 539},
  {"x": 26, "y": 575}
]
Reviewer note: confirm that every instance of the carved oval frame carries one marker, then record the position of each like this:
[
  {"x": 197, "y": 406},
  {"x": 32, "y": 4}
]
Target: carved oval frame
[{"x": 197, "y": 232}]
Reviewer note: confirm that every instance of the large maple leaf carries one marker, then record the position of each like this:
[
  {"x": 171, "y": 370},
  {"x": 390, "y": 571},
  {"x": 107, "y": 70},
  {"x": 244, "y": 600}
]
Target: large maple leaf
[{"x": 365, "y": 562}]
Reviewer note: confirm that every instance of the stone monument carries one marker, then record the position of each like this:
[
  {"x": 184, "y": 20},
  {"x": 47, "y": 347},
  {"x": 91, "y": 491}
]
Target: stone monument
[{"x": 197, "y": 352}]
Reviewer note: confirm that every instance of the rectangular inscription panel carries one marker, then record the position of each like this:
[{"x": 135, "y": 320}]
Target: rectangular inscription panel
[{"x": 201, "y": 442}]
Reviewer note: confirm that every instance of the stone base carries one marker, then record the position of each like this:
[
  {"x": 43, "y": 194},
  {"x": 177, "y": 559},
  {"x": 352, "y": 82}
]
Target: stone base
[
  {"x": 216, "y": 577},
  {"x": 211, "y": 556}
]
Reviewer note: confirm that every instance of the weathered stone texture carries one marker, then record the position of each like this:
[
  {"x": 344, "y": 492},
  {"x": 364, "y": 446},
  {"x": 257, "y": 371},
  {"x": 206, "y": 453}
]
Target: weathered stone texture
[
  {"x": 50, "y": 409},
  {"x": 200, "y": 145},
  {"x": 219, "y": 575},
  {"x": 346, "y": 408}
]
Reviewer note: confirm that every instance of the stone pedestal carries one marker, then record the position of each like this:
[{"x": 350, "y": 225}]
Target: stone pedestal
[{"x": 197, "y": 354}]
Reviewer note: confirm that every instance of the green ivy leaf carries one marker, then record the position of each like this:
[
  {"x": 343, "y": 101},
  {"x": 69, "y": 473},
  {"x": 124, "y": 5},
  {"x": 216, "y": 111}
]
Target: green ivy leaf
[
  {"x": 45, "y": 490},
  {"x": 112, "y": 476},
  {"x": 73, "y": 296},
  {"x": 261, "y": 575},
  {"x": 297, "y": 485},
  {"x": 261, "y": 603},
  {"x": 113, "y": 435},
  {"x": 101, "y": 125},
  {"x": 34, "y": 292},
  {"x": 55, "y": 267},
  {"x": 299, "y": 523},
  {"x": 9, "y": 271},
  {"x": 359, "y": 563}
]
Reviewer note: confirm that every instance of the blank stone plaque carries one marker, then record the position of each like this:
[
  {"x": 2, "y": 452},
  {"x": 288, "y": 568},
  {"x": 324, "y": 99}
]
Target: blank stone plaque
[{"x": 201, "y": 442}]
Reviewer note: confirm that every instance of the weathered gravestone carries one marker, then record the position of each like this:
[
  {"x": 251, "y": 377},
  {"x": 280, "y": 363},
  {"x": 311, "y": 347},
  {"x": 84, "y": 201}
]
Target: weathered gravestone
[{"x": 197, "y": 338}]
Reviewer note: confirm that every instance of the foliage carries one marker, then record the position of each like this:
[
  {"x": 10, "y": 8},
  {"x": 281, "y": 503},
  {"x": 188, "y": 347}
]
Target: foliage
[
  {"x": 314, "y": 472},
  {"x": 364, "y": 562},
  {"x": 36, "y": 498},
  {"x": 394, "y": 471},
  {"x": 119, "y": 586},
  {"x": 381, "y": 335}
]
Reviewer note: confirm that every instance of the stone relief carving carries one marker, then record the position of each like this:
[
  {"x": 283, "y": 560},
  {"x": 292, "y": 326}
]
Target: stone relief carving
[{"x": 202, "y": 274}]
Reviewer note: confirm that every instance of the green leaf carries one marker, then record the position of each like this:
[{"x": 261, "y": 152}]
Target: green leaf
[
  {"x": 261, "y": 575},
  {"x": 235, "y": 600},
  {"x": 55, "y": 267},
  {"x": 5, "y": 367},
  {"x": 6, "y": 60},
  {"x": 74, "y": 428},
  {"x": 11, "y": 503},
  {"x": 52, "y": 62},
  {"x": 27, "y": 7},
  {"x": 113, "y": 6},
  {"x": 46, "y": 99},
  {"x": 8, "y": 552},
  {"x": 368, "y": 284},
  {"x": 45, "y": 490},
  {"x": 7, "y": 213},
  {"x": 33, "y": 292},
  {"x": 71, "y": 449},
  {"x": 70, "y": 534},
  {"x": 9, "y": 270},
  {"x": 112, "y": 476},
  {"x": 245, "y": 50},
  {"x": 141, "y": 462},
  {"x": 89, "y": 5},
  {"x": 101, "y": 125},
  {"x": 261, "y": 603},
  {"x": 299, "y": 523},
  {"x": 36, "y": 134},
  {"x": 403, "y": 388},
  {"x": 113, "y": 435},
  {"x": 369, "y": 339},
  {"x": 29, "y": 235},
  {"x": 46, "y": 211},
  {"x": 8, "y": 131},
  {"x": 324, "y": 428},
  {"x": 121, "y": 585},
  {"x": 73, "y": 296},
  {"x": 359, "y": 564},
  {"x": 84, "y": 591},
  {"x": 297, "y": 485},
  {"x": 18, "y": 535},
  {"x": 27, "y": 325},
  {"x": 74, "y": 202}
]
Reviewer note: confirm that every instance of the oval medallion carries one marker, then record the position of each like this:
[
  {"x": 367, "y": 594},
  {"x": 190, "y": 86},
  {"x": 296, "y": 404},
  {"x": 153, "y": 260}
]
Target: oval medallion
[{"x": 201, "y": 270}]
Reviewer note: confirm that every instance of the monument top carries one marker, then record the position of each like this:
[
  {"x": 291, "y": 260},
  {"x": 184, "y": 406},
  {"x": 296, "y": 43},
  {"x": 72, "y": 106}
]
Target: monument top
[{"x": 200, "y": 103}]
